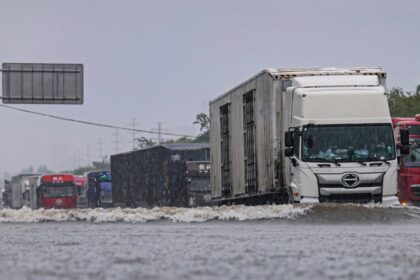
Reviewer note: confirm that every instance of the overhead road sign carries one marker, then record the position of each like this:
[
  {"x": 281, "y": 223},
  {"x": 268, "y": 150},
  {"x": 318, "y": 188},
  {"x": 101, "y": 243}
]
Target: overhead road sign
[{"x": 42, "y": 83}]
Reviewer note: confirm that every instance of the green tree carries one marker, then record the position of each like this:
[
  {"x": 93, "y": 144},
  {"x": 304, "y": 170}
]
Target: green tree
[
  {"x": 404, "y": 104},
  {"x": 203, "y": 120},
  {"x": 144, "y": 142}
]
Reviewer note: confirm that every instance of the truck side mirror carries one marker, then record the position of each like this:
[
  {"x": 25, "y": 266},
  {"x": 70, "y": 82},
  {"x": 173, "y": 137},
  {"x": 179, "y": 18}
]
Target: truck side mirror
[
  {"x": 288, "y": 139},
  {"x": 289, "y": 152},
  {"x": 405, "y": 137},
  {"x": 404, "y": 150}
]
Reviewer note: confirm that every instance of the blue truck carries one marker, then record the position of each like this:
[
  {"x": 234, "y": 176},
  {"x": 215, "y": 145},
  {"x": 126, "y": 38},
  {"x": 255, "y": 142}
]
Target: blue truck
[{"x": 99, "y": 192}]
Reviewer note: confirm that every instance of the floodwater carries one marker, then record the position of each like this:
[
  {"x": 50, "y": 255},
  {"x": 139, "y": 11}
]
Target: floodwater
[{"x": 236, "y": 242}]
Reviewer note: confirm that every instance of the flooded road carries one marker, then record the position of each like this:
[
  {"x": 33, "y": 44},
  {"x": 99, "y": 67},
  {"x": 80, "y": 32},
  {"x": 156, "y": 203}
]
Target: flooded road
[{"x": 320, "y": 242}]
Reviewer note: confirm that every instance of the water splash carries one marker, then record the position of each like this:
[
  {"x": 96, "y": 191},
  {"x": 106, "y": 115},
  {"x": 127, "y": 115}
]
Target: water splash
[
  {"x": 319, "y": 213},
  {"x": 138, "y": 215}
]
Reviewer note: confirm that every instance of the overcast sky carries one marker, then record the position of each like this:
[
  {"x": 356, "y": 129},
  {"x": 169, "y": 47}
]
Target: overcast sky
[{"x": 162, "y": 61}]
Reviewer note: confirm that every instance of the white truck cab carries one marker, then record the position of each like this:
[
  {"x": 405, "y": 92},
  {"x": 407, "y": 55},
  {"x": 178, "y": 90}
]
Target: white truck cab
[{"x": 343, "y": 144}]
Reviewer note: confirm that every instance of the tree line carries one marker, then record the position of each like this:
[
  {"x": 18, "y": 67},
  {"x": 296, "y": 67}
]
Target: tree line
[{"x": 404, "y": 103}]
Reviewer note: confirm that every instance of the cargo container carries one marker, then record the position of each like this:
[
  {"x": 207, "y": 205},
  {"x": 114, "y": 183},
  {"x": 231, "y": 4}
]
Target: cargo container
[
  {"x": 304, "y": 135},
  {"x": 7, "y": 193},
  {"x": 154, "y": 176},
  {"x": 32, "y": 199},
  {"x": 19, "y": 191}
]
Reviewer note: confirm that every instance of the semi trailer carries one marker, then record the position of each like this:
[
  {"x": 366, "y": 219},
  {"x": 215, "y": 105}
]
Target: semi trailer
[
  {"x": 18, "y": 191},
  {"x": 304, "y": 136},
  {"x": 32, "y": 200},
  {"x": 164, "y": 175}
]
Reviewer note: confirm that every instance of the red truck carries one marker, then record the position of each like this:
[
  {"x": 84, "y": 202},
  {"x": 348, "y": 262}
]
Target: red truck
[
  {"x": 81, "y": 187},
  {"x": 409, "y": 171},
  {"x": 57, "y": 191}
]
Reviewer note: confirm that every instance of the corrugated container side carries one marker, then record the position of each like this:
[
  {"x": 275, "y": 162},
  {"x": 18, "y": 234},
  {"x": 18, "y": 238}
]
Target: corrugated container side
[
  {"x": 215, "y": 147},
  {"x": 266, "y": 140},
  {"x": 119, "y": 169},
  {"x": 278, "y": 135},
  {"x": 237, "y": 137},
  {"x": 264, "y": 132},
  {"x": 152, "y": 177}
]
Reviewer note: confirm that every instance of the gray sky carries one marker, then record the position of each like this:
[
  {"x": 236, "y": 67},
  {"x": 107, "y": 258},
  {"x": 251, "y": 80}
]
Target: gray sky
[{"x": 164, "y": 60}]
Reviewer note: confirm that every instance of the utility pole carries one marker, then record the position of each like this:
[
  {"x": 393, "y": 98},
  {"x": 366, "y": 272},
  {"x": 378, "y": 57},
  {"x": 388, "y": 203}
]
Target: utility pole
[
  {"x": 74, "y": 160},
  {"x": 87, "y": 155},
  {"x": 79, "y": 158},
  {"x": 133, "y": 138},
  {"x": 100, "y": 143},
  {"x": 117, "y": 140},
  {"x": 159, "y": 132}
]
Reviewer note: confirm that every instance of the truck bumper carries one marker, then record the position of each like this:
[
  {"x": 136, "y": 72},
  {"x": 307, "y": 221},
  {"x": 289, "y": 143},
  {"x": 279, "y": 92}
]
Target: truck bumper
[
  {"x": 309, "y": 200},
  {"x": 391, "y": 200}
]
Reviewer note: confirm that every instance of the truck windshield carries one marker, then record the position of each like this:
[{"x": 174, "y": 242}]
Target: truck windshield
[
  {"x": 414, "y": 129},
  {"x": 58, "y": 191},
  {"x": 199, "y": 184},
  {"x": 348, "y": 142},
  {"x": 413, "y": 158}
]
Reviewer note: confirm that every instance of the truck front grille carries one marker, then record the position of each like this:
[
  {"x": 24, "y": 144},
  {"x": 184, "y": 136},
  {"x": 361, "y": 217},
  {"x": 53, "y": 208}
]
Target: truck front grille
[
  {"x": 351, "y": 198},
  {"x": 362, "y": 185}
]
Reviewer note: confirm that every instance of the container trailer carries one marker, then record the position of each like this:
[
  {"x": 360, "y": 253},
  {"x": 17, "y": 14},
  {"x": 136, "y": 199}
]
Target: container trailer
[
  {"x": 304, "y": 135},
  {"x": 19, "y": 195},
  {"x": 7, "y": 193},
  {"x": 32, "y": 199},
  {"x": 156, "y": 176}
]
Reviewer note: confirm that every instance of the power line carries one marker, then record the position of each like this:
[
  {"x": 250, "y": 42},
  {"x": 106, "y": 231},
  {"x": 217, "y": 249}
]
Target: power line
[{"x": 93, "y": 123}]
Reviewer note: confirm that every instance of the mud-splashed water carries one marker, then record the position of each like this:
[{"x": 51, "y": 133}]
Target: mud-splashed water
[
  {"x": 237, "y": 242},
  {"x": 202, "y": 214},
  {"x": 321, "y": 213}
]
